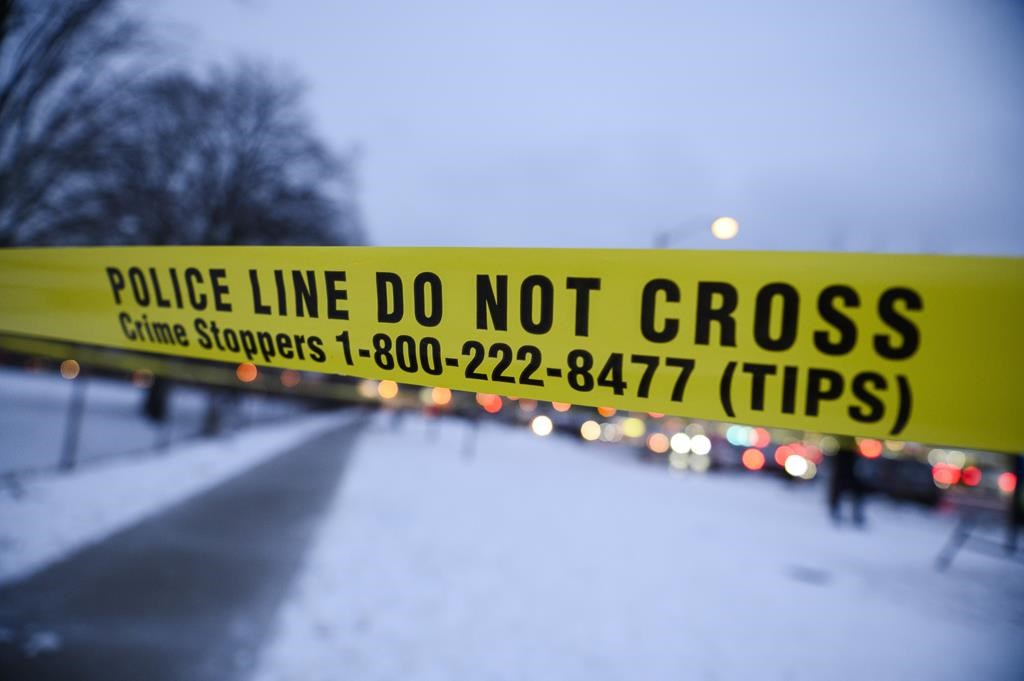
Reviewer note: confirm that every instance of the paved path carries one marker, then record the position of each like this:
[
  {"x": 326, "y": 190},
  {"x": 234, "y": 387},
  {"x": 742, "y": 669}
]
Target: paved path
[{"x": 186, "y": 594}]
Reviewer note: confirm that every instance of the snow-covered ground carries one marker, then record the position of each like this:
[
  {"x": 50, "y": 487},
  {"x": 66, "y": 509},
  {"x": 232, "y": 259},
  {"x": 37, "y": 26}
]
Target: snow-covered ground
[
  {"x": 544, "y": 558},
  {"x": 46, "y": 515},
  {"x": 549, "y": 558},
  {"x": 34, "y": 414}
]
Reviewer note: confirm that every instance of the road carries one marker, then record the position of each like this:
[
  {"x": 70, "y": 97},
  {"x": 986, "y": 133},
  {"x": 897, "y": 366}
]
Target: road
[{"x": 186, "y": 594}]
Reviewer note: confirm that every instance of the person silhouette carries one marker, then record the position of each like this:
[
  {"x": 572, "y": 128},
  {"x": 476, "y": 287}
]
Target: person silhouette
[{"x": 846, "y": 482}]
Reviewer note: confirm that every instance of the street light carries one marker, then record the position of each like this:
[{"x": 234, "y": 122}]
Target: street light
[
  {"x": 722, "y": 228},
  {"x": 725, "y": 228}
]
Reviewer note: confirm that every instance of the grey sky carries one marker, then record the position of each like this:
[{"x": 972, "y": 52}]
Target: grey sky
[{"x": 893, "y": 125}]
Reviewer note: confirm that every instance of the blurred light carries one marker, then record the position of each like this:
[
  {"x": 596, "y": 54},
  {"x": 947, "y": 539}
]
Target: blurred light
[
  {"x": 971, "y": 476},
  {"x": 955, "y": 458},
  {"x": 680, "y": 443},
  {"x": 895, "y": 445},
  {"x": 541, "y": 425},
  {"x": 387, "y": 389},
  {"x": 561, "y": 406},
  {"x": 762, "y": 438},
  {"x": 590, "y": 430},
  {"x": 694, "y": 429},
  {"x": 528, "y": 406},
  {"x": 811, "y": 471},
  {"x": 247, "y": 372},
  {"x": 491, "y": 403},
  {"x": 725, "y": 228},
  {"x": 700, "y": 445},
  {"x": 367, "y": 388},
  {"x": 752, "y": 459},
  {"x": 782, "y": 453},
  {"x": 657, "y": 443},
  {"x": 69, "y": 369},
  {"x": 611, "y": 432},
  {"x": 829, "y": 445},
  {"x": 290, "y": 378},
  {"x": 678, "y": 460},
  {"x": 441, "y": 396},
  {"x": 674, "y": 424},
  {"x": 655, "y": 415},
  {"x": 813, "y": 454},
  {"x": 736, "y": 435},
  {"x": 945, "y": 475},
  {"x": 142, "y": 378},
  {"x": 633, "y": 427},
  {"x": 700, "y": 464},
  {"x": 606, "y": 412},
  {"x": 936, "y": 456},
  {"x": 1007, "y": 482},
  {"x": 796, "y": 465},
  {"x": 870, "y": 449}
]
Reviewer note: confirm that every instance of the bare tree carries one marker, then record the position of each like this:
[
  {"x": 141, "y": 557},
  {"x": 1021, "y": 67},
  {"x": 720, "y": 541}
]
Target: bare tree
[
  {"x": 62, "y": 64},
  {"x": 93, "y": 151},
  {"x": 229, "y": 159}
]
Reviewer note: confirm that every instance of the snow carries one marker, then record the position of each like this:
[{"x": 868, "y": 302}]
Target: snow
[
  {"x": 34, "y": 412},
  {"x": 546, "y": 558},
  {"x": 47, "y": 515}
]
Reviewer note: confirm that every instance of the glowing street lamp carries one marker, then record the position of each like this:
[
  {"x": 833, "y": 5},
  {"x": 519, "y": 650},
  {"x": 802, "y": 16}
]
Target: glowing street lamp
[
  {"x": 722, "y": 228},
  {"x": 725, "y": 228}
]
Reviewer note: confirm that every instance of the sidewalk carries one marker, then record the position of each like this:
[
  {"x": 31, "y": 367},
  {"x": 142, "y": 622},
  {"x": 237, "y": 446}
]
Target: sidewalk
[{"x": 185, "y": 594}]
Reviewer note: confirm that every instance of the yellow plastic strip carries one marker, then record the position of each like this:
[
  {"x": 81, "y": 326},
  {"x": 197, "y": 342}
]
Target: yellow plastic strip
[{"x": 923, "y": 348}]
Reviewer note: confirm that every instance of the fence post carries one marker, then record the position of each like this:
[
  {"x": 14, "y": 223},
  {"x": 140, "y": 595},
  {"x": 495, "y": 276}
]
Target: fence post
[
  {"x": 1015, "y": 505},
  {"x": 74, "y": 424}
]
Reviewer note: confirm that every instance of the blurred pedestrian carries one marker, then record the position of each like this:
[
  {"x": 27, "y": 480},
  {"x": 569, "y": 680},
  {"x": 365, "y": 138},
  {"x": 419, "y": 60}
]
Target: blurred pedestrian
[
  {"x": 846, "y": 482},
  {"x": 155, "y": 406}
]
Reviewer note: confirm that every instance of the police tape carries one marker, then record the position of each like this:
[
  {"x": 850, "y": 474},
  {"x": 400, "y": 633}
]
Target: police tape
[{"x": 915, "y": 347}]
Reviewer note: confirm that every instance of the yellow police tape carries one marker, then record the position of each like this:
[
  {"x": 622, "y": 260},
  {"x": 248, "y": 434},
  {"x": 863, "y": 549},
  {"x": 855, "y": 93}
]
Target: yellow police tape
[{"x": 924, "y": 348}]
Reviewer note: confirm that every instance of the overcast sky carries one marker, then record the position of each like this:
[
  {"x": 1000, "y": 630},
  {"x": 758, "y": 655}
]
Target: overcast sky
[{"x": 882, "y": 125}]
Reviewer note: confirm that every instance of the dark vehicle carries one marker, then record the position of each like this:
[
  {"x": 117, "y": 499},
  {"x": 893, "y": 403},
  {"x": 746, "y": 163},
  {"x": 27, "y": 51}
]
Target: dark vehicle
[{"x": 906, "y": 479}]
